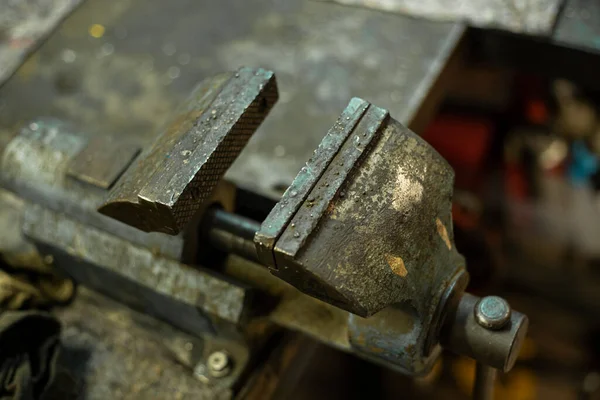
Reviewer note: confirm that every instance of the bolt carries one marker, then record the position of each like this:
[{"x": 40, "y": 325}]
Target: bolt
[
  {"x": 219, "y": 364},
  {"x": 492, "y": 312}
]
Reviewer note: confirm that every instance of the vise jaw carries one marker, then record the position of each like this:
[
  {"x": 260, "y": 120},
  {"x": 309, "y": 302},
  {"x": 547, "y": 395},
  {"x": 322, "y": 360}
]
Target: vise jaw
[
  {"x": 169, "y": 183},
  {"x": 367, "y": 222}
]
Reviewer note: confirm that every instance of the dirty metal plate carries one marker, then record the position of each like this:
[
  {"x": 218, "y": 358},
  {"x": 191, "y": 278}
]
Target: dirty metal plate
[
  {"x": 362, "y": 132},
  {"x": 187, "y": 297},
  {"x": 168, "y": 185},
  {"x": 312, "y": 276},
  {"x": 103, "y": 161},
  {"x": 522, "y": 16},
  {"x": 110, "y": 351},
  {"x": 130, "y": 80},
  {"x": 280, "y": 216},
  {"x": 34, "y": 166}
]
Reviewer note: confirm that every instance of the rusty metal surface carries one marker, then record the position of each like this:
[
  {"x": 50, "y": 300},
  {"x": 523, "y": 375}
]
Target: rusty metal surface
[
  {"x": 191, "y": 299},
  {"x": 499, "y": 348},
  {"x": 164, "y": 190},
  {"x": 381, "y": 205},
  {"x": 34, "y": 166},
  {"x": 24, "y": 24},
  {"x": 130, "y": 80},
  {"x": 318, "y": 275},
  {"x": 371, "y": 233},
  {"x": 112, "y": 352},
  {"x": 294, "y": 310},
  {"x": 103, "y": 161},
  {"x": 522, "y": 16},
  {"x": 280, "y": 216},
  {"x": 396, "y": 214},
  {"x": 393, "y": 337}
]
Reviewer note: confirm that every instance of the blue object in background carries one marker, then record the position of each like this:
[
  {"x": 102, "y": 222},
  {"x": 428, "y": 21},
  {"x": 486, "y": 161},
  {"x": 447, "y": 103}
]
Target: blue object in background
[{"x": 583, "y": 165}]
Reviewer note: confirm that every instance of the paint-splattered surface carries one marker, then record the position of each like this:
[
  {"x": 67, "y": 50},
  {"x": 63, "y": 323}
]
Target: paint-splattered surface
[{"x": 23, "y": 23}]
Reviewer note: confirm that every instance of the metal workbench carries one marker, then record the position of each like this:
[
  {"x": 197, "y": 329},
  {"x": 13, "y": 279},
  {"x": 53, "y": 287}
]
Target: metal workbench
[{"x": 154, "y": 52}]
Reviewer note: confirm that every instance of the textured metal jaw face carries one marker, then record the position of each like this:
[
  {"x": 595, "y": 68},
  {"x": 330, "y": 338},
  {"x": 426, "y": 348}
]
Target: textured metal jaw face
[
  {"x": 169, "y": 183},
  {"x": 366, "y": 224}
]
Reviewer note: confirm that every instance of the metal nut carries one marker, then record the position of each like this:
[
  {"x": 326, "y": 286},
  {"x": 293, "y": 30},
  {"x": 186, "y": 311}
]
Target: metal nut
[
  {"x": 219, "y": 364},
  {"x": 492, "y": 312}
]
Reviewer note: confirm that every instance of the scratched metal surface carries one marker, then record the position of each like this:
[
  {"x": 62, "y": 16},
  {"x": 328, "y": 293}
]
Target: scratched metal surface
[
  {"x": 180, "y": 294},
  {"x": 523, "y": 16},
  {"x": 153, "y": 52}
]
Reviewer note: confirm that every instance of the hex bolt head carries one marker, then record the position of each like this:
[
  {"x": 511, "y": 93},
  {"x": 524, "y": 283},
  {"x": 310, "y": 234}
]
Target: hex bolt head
[
  {"x": 492, "y": 312},
  {"x": 219, "y": 364}
]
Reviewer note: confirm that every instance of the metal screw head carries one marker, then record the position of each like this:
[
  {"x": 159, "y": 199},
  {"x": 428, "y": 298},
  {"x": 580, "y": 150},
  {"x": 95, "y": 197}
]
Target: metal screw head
[
  {"x": 492, "y": 312},
  {"x": 219, "y": 364}
]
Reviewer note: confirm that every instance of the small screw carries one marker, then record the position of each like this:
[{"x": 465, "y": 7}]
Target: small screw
[
  {"x": 219, "y": 364},
  {"x": 492, "y": 312}
]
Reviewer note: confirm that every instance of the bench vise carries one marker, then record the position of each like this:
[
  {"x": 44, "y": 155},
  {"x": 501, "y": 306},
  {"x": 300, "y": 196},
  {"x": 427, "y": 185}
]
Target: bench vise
[{"x": 363, "y": 234}]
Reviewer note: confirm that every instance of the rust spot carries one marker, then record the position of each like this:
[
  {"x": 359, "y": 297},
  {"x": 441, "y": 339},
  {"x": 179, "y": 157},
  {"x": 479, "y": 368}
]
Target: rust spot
[
  {"x": 375, "y": 350},
  {"x": 331, "y": 210},
  {"x": 396, "y": 264},
  {"x": 361, "y": 340},
  {"x": 441, "y": 228}
]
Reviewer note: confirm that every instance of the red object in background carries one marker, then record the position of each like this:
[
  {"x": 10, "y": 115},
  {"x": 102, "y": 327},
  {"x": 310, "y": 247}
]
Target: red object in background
[
  {"x": 536, "y": 111},
  {"x": 464, "y": 219},
  {"x": 530, "y": 92},
  {"x": 464, "y": 142},
  {"x": 515, "y": 182}
]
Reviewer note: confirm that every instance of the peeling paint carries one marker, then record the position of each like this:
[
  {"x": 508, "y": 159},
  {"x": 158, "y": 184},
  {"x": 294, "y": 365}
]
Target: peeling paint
[
  {"x": 396, "y": 264},
  {"x": 443, "y": 232}
]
